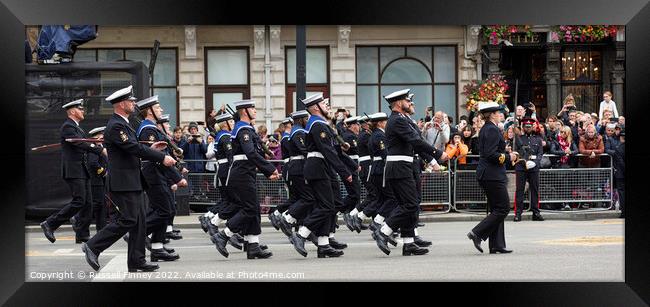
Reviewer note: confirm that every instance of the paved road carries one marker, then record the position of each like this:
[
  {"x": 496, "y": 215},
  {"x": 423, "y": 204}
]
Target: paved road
[{"x": 553, "y": 250}]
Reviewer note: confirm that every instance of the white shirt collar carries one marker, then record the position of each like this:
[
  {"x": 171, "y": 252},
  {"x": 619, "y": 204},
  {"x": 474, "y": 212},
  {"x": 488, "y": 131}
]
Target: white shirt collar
[
  {"x": 125, "y": 118},
  {"x": 382, "y": 130}
]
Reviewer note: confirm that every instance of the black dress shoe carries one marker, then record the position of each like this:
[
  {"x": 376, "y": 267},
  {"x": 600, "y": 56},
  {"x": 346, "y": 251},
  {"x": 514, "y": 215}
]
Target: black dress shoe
[
  {"x": 144, "y": 267},
  {"x": 274, "y": 220},
  {"x": 78, "y": 240},
  {"x": 162, "y": 255},
  {"x": 49, "y": 233},
  {"x": 476, "y": 240},
  {"x": 169, "y": 250},
  {"x": 356, "y": 223},
  {"x": 349, "y": 222},
  {"x": 362, "y": 226},
  {"x": 262, "y": 246},
  {"x": 204, "y": 223},
  {"x": 166, "y": 241},
  {"x": 328, "y": 251},
  {"x": 409, "y": 249},
  {"x": 236, "y": 241},
  {"x": 212, "y": 229},
  {"x": 176, "y": 230},
  {"x": 517, "y": 218},
  {"x": 421, "y": 242},
  {"x": 91, "y": 258},
  {"x": 255, "y": 251},
  {"x": 381, "y": 239},
  {"x": 336, "y": 244},
  {"x": 389, "y": 239},
  {"x": 298, "y": 243},
  {"x": 285, "y": 226},
  {"x": 220, "y": 240},
  {"x": 500, "y": 251},
  {"x": 73, "y": 222},
  {"x": 537, "y": 217},
  {"x": 172, "y": 235},
  {"x": 374, "y": 226}
]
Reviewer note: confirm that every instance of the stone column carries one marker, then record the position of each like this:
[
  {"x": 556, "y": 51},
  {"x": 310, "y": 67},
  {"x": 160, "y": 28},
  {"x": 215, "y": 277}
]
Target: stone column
[
  {"x": 618, "y": 73},
  {"x": 494, "y": 53},
  {"x": 552, "y": 77}
]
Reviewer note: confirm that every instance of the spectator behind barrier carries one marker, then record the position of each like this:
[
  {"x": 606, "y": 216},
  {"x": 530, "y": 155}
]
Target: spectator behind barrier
[
  {"x": 456, "y": 149},
  {"x": 607, "y": 103},
  {"x": 210, "y": 154},
  {"x": 195, "y": 149},
  {"x": 591, "y": 146},
  {"x": 564, "y": 148},
  {"x": 179, "y": 139},
  {"x": 436, "y": 132}
]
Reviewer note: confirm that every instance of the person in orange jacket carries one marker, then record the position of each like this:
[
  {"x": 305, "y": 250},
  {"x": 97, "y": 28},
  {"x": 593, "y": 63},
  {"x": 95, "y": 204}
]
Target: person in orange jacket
[{"x": 457, "y": 149}]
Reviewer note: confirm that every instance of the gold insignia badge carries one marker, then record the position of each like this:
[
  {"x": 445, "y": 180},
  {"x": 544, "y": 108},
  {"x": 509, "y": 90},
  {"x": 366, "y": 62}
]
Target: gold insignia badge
[
  {"x": 152, "y": 138},
  {"x": 228, "y": 146},
  {"x": 302, "y": 141},
  {"x": 502, "y": 158},
  {"x": 123, "y": 136},
  {"x": 246, "y": 137},
  {"x": 323, "y": 135},
  {"x": 354, "y": 142},
  {"x": 381, "y": 145}
]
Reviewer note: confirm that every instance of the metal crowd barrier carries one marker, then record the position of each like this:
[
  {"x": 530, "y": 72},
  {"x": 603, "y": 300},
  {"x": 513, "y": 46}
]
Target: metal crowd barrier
[
  {"x": 453, "y": 189},
  {"x": 573, "y": 187}
]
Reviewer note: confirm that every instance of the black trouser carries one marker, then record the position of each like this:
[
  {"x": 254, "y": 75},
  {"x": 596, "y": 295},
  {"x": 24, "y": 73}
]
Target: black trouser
[
  {"x": 533, "y": 189},
  {"x": 81, "y": 203},
  {"x": 405, "y": 214},
  {"x": 305, "y": 204},
  {"x": 499, "y": 204},
  {"x": 228, "y": 207},
  {"x": 339, "y": 202},
  {"x": 100, "y": 207},
  {"x": 173, "y": 207},
  {"x": 362, "y": 177},
  {"x": 353, "y": 189},
  {"x": 418, "y": 186},
  {"x": 320, "y": 219},
  {"x": 378, "y": 197},
  {"x": 244, "y": 192},
  {"x": 159, "y": 212},
  {"x": 293, "y": 196},
  {"x": 131, "y": 220},
  {"x": 386, "y": 201},
  {"x": 620, "y": 188}
]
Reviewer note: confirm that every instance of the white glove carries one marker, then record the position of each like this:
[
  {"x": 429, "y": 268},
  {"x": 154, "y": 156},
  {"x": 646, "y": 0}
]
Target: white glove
[{"x": 530, "y": 164}]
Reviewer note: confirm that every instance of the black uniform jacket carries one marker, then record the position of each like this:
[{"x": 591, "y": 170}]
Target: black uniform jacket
[
  {"x": 74, "y": 160},
  {"x": 493, "y": 158},
  {"x": 124, "y": 153},
  {"x": 155, "y": 172},
  {"x": 245, "y": 141},
  {"x": 320, "y": 138},
  {"x": 403, "y": 140}
]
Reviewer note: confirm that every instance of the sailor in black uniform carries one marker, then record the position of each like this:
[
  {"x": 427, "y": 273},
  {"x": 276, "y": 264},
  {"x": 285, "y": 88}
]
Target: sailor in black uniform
[
  {"x": 248, "y": 157},
  {"x": 320, "y": 166},
  {"x": 124, "y": 185},
  {"x": 365, "y": 160},
  {"x": 491, "y": 176},
  {"x": 403, "y": 142},
  {"x": 275, "y": 215},
  {"x": 353, "y": 189},
  {"x": 76, "y": 173}
]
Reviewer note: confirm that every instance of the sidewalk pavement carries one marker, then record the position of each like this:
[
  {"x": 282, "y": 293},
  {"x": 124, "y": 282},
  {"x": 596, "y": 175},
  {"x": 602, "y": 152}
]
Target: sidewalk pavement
[{"x": 191, "y": 221}]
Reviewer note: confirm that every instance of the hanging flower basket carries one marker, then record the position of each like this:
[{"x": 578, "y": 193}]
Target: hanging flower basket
[
  {"x": 493, "y": 34},
  {"x": 582, "y": 33},
  {"x": 494, "y": 88}
]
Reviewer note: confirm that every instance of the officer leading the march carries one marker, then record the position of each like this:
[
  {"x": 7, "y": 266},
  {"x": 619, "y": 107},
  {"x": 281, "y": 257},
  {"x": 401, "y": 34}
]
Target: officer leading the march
[
  {"x": 403, "y": 142},
  {"x": 320, "y": 167},
  {"x": 125, "y": 184},
  {"x": 75, "y": 171},
  {"x": 491, "y": 176},
  {"x": 529, "y": 146},
  {"x": 248, "y": 157}
]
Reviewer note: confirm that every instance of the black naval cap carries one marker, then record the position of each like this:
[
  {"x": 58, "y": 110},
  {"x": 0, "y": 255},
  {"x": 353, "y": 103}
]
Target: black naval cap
[
  {"x": 377, "y": 117},
  {"x": 223, "y": 117},
  {"x": 313, "y": 99},
  {"x": 299, "y": 114},
  {"x": 352, "y": 120},
  {"x": 243, "y": 104},
  {"x": 96, "y": 131},
  {"x": 398, "y": 95},
  {"x": 121, "y": 95},
  {"x": 287, "y": 120},
  {"x": 147, "y": 102},
  {"x": 74, "y": 104}
]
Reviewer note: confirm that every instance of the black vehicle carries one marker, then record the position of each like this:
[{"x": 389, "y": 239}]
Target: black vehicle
[{"x": 47, "y": 88}]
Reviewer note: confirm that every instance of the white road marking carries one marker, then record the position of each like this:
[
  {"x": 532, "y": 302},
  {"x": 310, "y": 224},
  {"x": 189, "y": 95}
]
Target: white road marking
[
  {"x": 114, "y": 270},
  {"x": 63, "y": 251}
]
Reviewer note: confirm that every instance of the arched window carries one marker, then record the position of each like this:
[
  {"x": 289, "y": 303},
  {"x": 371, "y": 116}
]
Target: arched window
[{"x": 429, "y": 71}]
